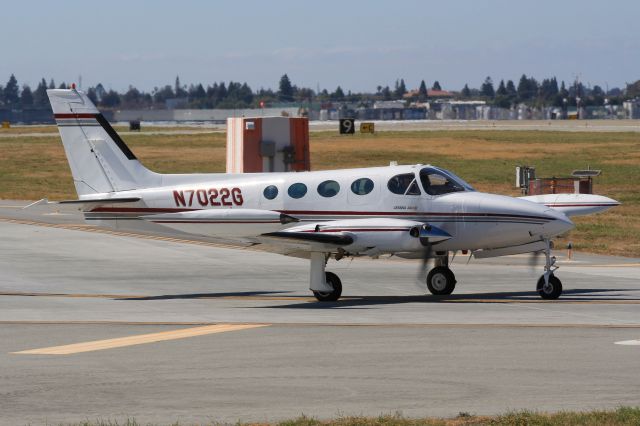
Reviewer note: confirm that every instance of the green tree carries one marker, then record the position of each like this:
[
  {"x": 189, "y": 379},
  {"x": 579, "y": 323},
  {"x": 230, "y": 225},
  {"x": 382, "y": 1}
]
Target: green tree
[
  {"x": 511, "y": 90},
  {"x": 26, "y": 97},
  {"x": 436, "y": 86},
  {"x": 466, "y": 92},
  {"x": 100, "y": 91},
  {"x": 338, "y": 95},
  {"x": 422, "y": 91},
  {"x": 11, "y": 95},
  {"x": 487, "y": 89},
  {"x": 386, "y": 93},
  {"x": 52, "y": 84},
  {"x": 40, "y": 94},
  {"x": 400, "y": 89},
  {"x": 178, "y": 89},
  {"x": 502, "y": 90},
  {"x": 527, "y": 88},
  {"x": 285, "y": 89},
  {"x": 111, "y": 99}
]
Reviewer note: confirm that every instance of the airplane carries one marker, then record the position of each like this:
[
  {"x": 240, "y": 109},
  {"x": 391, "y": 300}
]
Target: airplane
[{"x": 410, "y": 211}]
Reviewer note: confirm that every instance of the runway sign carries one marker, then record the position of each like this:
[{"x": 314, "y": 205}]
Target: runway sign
[
  {"x": 367, "y": 127},
  {"x": 347, "y": 126}
]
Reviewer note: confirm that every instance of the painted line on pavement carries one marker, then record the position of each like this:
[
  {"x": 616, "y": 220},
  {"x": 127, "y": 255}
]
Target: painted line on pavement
[
  {"x": 98, "y": 345},
  {"x": 324, "y": 324},
  {"x": 629, "y": 342}
]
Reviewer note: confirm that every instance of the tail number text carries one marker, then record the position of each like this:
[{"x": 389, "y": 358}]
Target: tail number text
[{"x": 208, "y": 197}]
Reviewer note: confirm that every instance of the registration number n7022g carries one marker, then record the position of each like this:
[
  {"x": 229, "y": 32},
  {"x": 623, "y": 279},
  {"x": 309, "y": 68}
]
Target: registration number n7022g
[{"x": 208, "y": 197}]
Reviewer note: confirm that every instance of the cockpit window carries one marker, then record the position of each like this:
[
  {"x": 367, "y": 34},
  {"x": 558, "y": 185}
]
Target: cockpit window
[
  {"x": 404, "y": 184},
  {"x": 436, "y": 182}
]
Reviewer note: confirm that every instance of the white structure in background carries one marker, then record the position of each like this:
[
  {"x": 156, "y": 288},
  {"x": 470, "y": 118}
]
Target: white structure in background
[{"x": 267, "y": 144}]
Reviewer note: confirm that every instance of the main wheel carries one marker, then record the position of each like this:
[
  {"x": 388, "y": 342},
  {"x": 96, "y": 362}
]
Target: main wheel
[
  {"x": 330, "y": 296},
  {"x": 441, "y": 281},
  {"x": 552, "y": 291}
]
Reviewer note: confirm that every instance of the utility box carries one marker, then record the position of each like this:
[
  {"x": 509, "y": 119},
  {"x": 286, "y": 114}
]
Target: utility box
[
  {"x": 267, "y": 144},
  {"x": 524, "y": 175}
]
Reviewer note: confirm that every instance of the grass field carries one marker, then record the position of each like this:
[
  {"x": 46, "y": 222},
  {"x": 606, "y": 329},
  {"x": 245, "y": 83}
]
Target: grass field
[
  {"x": 623, "y": 416},
  {"x": 35, "y": 167}
]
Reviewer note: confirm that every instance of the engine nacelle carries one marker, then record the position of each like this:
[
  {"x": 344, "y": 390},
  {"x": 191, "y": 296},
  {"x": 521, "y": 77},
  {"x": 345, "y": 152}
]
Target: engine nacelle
[{"x": 378, "y": 236}]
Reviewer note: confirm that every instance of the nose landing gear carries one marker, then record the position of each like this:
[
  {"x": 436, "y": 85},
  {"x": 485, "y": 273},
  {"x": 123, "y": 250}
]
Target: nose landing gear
[{"x": 549, "y": 286}]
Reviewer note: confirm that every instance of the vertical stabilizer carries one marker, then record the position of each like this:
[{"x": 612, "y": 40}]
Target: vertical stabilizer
[{"x": 100, "y": 161}]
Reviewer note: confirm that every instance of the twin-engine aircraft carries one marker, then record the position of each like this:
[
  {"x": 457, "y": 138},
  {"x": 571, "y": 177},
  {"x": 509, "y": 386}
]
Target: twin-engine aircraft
[{"x": 416, "y": 211}]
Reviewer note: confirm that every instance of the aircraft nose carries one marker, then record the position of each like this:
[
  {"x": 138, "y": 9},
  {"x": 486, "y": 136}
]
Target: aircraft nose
[{"x": 559, "y": 223}]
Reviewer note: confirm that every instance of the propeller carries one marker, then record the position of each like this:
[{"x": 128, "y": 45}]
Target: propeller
[
  {"x": 423, "y": 233},
  {"x": 536, "y": 258}
]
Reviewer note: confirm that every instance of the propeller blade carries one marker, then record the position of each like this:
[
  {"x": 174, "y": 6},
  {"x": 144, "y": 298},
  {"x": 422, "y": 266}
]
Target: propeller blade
[
  {"x": 535, "y": 260},
  {"x": 421, "y": 280}
]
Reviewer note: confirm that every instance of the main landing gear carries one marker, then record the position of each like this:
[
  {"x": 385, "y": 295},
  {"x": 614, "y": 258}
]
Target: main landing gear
[
  {"x": 440, "y": 280},
  {"x": 549, "y": 286},
  {"x": 326, "y": 286}
]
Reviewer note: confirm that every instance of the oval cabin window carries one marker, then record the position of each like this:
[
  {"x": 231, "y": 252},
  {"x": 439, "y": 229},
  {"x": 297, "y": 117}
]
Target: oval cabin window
[
  {"x": 329, "y": 188},
  {"x": 297, "y": 190},
  {"x": 270, "y": 192},
  {"x": 362, "y": 186}
]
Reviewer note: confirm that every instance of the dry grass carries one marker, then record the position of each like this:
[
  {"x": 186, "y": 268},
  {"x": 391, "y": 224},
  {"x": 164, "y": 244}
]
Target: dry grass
[
  {"x": 31, "y": 168},
  {"x": 623, "y": 416}
]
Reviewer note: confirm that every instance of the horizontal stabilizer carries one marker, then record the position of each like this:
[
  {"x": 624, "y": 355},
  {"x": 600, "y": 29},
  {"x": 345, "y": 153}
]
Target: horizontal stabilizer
[
  {"x": 95, "y": 202},
  {"x": 102, "y": 201}
]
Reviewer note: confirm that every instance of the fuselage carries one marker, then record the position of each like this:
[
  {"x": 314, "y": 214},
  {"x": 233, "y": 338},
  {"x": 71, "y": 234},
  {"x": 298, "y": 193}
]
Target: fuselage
[{"x": 417, "y": 193}]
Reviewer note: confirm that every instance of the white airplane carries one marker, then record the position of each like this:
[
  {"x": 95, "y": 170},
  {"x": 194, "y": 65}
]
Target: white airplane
[{"x": 415, "y": 211}]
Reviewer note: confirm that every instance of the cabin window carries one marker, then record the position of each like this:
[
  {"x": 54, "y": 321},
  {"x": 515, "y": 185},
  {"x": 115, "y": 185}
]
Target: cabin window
[
  {"x": 297, "y": 190},
  {"x": 329, "y": 188},
  {"x": 362, "y": 186},
  {"x": 404, "y": 184},
  {"x": 270, "y": 192},
  {"x": 436, "y": 182}
]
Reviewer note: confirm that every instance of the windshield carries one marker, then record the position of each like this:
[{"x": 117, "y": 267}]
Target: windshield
[{"x": 438, "y": 182}]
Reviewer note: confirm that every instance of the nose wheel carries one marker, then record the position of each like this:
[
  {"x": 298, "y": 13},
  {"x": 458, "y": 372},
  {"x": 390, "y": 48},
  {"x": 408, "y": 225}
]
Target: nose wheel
[
  {"x": 549, "y": 290},
  {"x": 549, "y": 286}
]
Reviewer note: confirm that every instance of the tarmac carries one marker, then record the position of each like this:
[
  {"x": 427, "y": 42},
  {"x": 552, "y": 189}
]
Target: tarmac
[
  {"x": 97, "y": 324},
  {"x": 192, "y": 128}
]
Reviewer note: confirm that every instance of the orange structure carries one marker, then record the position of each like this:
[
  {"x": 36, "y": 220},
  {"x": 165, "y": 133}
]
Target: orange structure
[{"x": 267, "y": 144}]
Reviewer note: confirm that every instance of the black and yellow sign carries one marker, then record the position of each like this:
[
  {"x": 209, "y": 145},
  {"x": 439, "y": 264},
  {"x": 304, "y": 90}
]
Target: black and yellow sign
[
  {"x": 367, "y": 127},
  {"x": 347, "y": 126}
]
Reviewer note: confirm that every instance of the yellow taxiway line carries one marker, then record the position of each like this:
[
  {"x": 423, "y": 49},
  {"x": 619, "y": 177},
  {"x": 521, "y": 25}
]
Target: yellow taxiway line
[{"x": 98, "y": 345}]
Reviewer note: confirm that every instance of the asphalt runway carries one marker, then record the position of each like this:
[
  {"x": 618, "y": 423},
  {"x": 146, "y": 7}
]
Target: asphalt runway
[
  {"x": 151, "y": 128},
  {"x": 97, "y": 324}
]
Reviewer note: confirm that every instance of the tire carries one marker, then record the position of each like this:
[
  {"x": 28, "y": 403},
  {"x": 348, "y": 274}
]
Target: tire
[
  {"x": 332, "y": 296},
  {"x": 553, "y": 292},
  {"x": 441, "y": 281}
]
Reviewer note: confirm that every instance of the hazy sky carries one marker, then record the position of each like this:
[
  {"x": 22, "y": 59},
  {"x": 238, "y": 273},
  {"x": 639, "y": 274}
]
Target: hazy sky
[{"x": 358, "y": 45}]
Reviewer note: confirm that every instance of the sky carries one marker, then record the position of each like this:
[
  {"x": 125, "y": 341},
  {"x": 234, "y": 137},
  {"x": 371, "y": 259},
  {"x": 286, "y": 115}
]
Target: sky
[{"x": 356, "y": 44}]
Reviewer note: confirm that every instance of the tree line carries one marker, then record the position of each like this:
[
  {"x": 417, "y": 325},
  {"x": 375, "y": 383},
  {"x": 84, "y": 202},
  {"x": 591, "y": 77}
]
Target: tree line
[{"x": 528, "y": 91}]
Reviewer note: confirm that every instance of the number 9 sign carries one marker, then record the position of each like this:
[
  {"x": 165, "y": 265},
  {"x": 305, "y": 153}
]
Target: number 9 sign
[{"x": 347, "y": 126}]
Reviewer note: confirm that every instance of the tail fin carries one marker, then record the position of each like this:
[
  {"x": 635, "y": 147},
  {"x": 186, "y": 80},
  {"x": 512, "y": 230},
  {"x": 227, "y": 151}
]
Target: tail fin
[{"x": 100, "y": 161}]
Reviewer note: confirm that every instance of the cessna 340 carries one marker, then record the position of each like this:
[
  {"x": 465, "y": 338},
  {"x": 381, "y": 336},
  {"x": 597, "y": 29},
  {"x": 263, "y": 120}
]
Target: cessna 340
[{"x": 416, "y": 211}]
